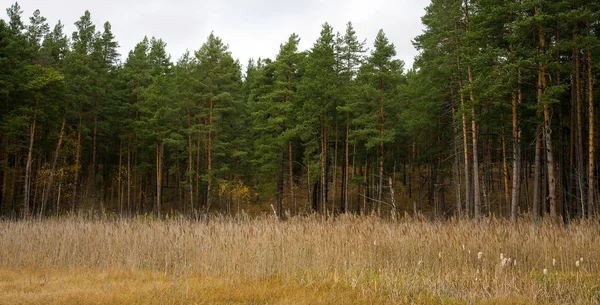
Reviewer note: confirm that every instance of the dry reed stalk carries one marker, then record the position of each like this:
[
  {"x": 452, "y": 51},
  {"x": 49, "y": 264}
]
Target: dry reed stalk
[{"x": 439, "y": 262}]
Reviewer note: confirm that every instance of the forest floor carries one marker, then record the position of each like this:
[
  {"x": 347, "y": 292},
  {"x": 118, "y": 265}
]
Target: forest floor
[{"x": 305, "y": 260}]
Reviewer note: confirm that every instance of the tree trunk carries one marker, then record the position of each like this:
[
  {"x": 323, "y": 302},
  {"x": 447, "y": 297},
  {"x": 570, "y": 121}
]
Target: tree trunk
[
  {"x": 381, "y": 149},
  {"x": 190, "y": 169},
  {"x": 197, "y": 173},
  {"x": 476, "y": 192},
  {"x": 547, "y": 130},
  {"x": 159, "y": 175},
  {"x": 291, "y": 179},
  {"x": 516, "y": 166},
  {"x": 120, "y": 179},
  {"x": 94, "y": 155},
  {"x": 27, "y": 191},
  {"x": 344, "y": 174},
  {"x": 191, "y": 172},
  {"x": 591, "y": 151},
  {"x": 323, "y": 165},
  {"x": 5, "y": 172},
  {"x": 537, "y": 179},
  {"x": 49, "y": 186},
  {"x": 280, "y": 186},
  {"x": 335, "y": 163},
  {"x": 129, "y": 179},
  {"x": 456, "y": 167},
  {"x": 77, "y": 162},
  {"x": 465, "y": 133},
  {"x": 580, "y": 177},
  {"x": 209, "y": 156},
  {"x": 505, "y": 176}
]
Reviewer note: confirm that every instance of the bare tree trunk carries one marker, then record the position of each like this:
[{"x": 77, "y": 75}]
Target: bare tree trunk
[
  {"x": 4, "y": 158},
  {"x": 159, "y": 174},
  {"x": 291, "y": 179},
  {"x": 476, "y": 191},
  {"x": 94, "y": 155},
  {"x": 537, "y": 179},
  {"x": 323, "y": 166},
  {"x": 571, "y": 190},
  {"x": 580, "y": 177},
  {"x": 516, "y": 166},
  {"x": 280, "y": 186},
  {"x": 54, "y": 161},
  {"x": 190, "y": 169},
  {"x": 27, "y": 191},
  {"x": 77, "y": 162},
  {"x": 457, "y": 161},
  {"x": 591, "y": 151},
  {"x": 468, "y": 201},
  {"x": 392, "y": 197},
  {"x": 209, "y": 155},
  {"x": 120, "y": 179},
  {"x": 547, "y": 130},
  {"x": 335, "y": 163},
  {"x": 197, "y": 173},
  {"x": 344, "y": 205},
  {"x": 505, "y": 166}
]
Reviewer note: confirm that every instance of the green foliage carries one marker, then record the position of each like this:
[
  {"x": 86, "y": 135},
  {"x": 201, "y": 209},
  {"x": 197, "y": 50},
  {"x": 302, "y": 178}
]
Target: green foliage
[{"x": 334, "y": 104}]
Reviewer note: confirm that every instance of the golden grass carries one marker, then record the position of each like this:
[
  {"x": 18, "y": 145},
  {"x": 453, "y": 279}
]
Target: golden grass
[{"x": 348, "y": 260}]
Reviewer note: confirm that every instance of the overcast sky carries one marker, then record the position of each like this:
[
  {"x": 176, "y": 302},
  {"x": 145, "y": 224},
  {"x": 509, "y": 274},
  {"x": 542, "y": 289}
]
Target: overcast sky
[{"x": 251, "y": 28}]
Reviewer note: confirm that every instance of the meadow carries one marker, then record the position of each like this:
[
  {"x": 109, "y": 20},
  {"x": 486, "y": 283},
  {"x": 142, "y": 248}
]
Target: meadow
[{"x": 304, "y": 260}]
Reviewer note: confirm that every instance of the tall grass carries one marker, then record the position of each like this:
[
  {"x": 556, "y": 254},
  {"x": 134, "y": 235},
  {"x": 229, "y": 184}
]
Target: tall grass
[{"x": 404, "y": 261}]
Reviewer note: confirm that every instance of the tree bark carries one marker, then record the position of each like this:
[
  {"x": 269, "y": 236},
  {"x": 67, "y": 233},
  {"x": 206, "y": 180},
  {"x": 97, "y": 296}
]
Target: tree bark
[
  {"x": 291, "y": 179},
  {"x": 465, "y": 133},
  {"x": 381, "y": 149},
  {"x": 580, "y": 177},
  {"x": 94, "y": 155},
  {"x": 323, "y": 166},
  {"x": 516, "y": 166},
  {"x": 197, "y": 174},
  {"x": 537, "y": 179},
  {"x": 457, "y": 161},
  {"x": 27, "y": 191},
  {"x": 591, "y": 151},
  {"x": 476, "y": 191},
  {"x": 344, "y": 199},
  {"x": 209, "y": 155},
  {"x": 77, "y": 162},
  {"x": 129, "y": 173},
  {"x": 49, "y": 186},
  {"x": 280, "y": 186},
  {"x": 335, "y": 163},
  {"x": 159, "y": 175},
  {"x": 505, "y": 165},
  {"x": 120, "y": 179},
  {"x": 4, "y": 158},
  {"x": 190, "y": 169},
  {"x": 547, "y": 129}
]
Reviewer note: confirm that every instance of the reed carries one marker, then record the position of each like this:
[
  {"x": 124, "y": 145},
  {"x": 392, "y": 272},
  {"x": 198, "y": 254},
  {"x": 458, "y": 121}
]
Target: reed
[{"x": 305, "y": 260}]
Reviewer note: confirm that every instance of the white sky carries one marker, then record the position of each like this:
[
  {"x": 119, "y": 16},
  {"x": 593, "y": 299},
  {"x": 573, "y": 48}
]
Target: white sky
[{"x": 252, "y": 28}]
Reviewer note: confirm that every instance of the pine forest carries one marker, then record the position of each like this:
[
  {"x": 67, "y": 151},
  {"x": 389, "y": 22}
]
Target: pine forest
[{"x": 496, "y": 118}]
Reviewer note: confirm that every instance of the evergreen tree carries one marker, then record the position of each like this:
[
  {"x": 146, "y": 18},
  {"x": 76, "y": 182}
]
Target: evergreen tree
[{"x": 218, "y": 91}]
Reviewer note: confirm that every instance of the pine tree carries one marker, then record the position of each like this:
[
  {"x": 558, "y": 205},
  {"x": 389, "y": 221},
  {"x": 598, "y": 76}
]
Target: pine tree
[
  {"x": 219, "y": 84},
  {"x": 318, "y": 94},
  {"x": 381, "y": 76},
  {"x": 351, "y": 55}
]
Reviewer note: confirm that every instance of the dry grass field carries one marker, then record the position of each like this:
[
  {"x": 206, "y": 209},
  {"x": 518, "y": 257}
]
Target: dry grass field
[{"x": 348, "y": 260}]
